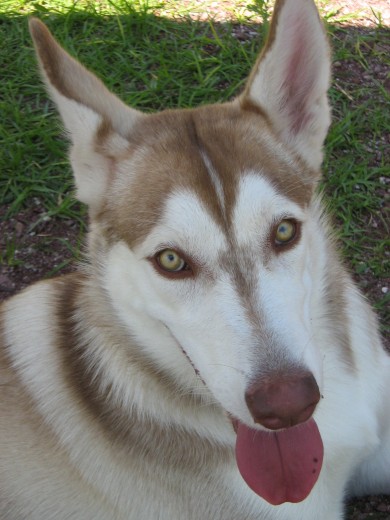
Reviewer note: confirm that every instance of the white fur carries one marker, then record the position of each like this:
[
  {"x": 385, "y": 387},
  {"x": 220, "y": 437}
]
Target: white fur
[{"x": 90, "y": 166}]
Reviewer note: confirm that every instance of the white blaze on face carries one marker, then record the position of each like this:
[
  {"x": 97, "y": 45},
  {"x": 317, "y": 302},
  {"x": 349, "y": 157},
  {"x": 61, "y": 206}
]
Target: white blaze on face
[
  {"x": 287, "y": 281},
  {"x": 207, "y": 315}
]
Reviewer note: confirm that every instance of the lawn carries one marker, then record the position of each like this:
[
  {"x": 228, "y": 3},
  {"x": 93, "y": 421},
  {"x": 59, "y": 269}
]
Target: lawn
[{"x": 182, "y": 53}]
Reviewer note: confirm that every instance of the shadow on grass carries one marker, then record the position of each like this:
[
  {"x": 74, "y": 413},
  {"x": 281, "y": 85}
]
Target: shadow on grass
[{"x": 153, "y": 62}]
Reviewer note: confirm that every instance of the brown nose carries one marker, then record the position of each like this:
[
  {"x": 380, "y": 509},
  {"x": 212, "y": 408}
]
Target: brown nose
[{"x": 283, "y": 399}]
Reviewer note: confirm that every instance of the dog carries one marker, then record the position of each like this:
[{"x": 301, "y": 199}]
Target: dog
[{"x": 211, "y": 358}]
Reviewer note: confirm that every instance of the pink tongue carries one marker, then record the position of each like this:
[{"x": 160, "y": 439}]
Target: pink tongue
[{"x": 280, "y": 466}]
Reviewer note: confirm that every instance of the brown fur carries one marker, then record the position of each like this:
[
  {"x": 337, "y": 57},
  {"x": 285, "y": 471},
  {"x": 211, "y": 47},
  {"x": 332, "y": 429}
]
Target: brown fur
[
  {"x": 174, "y": 139},
  {"x": 93, "y": 390}
]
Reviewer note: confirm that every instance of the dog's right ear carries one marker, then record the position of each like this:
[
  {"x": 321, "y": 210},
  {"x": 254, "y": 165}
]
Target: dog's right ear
[{"x": 97, "y": 121}]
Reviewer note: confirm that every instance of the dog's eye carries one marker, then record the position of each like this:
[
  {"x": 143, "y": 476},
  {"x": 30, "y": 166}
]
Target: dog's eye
[
  {"x": 285, "y": 232},
  {"x": 170, "y": 261}
]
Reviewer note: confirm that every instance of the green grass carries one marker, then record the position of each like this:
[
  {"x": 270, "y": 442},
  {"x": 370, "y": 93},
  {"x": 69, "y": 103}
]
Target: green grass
[
  {"x": 154, "y": 56},
  {"x": 151, "y": 62},
  {"x": 357, "y": 172}
]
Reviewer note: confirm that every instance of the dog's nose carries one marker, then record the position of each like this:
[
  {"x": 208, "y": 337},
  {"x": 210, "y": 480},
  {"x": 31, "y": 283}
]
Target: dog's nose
[{"x": 283, "y": 399}]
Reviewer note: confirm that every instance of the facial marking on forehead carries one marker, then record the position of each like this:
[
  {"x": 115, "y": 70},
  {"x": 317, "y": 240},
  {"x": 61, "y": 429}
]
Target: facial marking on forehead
[
  {"x": 258, "y": 205},
  {"x": 215, "y": 180},
  {"x": 170, "y": 161},
  {"x": 186, "y": 224},
  {"x": 204, "y": 151},
  {"x": 210, "y": 183},
  {"x": 238, "y": 142}
]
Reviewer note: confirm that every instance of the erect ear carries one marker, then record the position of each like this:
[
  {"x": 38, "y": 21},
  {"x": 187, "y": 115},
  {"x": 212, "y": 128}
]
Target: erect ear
[
  {"x": 291, "y": 77},
  {"x": 97, "y": 121}
]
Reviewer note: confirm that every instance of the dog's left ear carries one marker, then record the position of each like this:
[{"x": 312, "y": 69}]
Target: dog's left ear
[{"x": 290, "y": 80}]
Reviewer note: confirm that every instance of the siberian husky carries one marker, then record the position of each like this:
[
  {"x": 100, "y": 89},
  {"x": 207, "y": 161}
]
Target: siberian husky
[{"x": 212, "y": 359}]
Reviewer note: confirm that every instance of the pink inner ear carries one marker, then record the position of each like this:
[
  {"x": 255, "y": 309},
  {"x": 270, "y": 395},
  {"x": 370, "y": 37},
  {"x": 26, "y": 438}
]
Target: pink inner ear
[{"x": 300, "y": 76}]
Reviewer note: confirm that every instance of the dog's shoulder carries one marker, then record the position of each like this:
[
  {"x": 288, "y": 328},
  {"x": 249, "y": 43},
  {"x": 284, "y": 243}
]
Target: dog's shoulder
[{"x": 29, "y": 319}]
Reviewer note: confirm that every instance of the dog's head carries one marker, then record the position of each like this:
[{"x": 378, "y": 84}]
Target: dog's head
[{"x": 205, "y": 222}]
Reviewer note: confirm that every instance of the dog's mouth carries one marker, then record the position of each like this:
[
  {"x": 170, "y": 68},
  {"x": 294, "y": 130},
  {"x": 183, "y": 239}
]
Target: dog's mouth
[{"x": 280, "y": 466}]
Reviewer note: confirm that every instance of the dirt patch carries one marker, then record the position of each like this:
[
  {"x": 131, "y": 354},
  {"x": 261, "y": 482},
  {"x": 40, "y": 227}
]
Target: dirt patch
[{"x": 34, "y": 246}]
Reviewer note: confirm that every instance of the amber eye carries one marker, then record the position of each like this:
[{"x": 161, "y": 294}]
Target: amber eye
[
  {"x": 170, "y": 261},
  {"x": 285, "y": 232}
]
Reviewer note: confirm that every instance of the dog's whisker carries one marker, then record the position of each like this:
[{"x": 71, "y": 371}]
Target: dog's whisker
[{"x": 227, "y": 366}]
